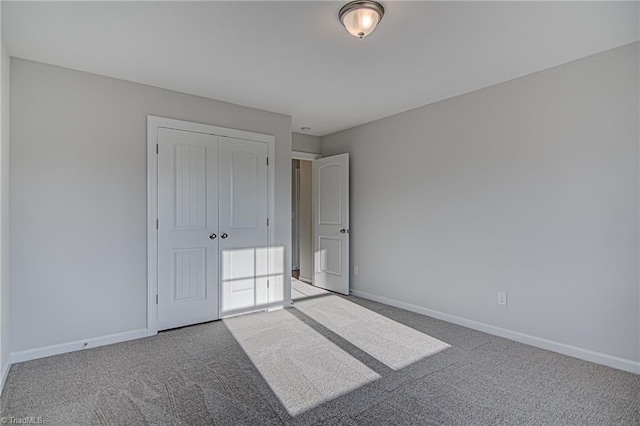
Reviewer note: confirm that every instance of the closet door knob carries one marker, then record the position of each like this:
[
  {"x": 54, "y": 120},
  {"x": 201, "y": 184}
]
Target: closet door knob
[
  {"x": 212, "y": 236},
  {"x": 223, "y": 236}
]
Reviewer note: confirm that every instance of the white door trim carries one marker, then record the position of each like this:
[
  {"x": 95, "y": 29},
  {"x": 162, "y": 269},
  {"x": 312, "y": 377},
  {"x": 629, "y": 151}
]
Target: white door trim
[
  {"x": 153, "y": 123},
  {"x": 308, "y": 156}
]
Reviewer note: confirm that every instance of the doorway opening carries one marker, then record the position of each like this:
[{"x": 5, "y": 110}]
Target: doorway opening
[
  {"x": 302, "y": 220},
  {"x": 320, "y": 221}
]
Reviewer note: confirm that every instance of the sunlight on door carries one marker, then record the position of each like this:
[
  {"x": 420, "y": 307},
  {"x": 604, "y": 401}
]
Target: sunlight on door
[{"x": 251, "y": 278}]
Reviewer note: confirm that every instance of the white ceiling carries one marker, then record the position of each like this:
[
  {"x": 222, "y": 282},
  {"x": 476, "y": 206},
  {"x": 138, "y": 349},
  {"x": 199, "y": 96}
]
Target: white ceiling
[{"x": 295, "y": 58}]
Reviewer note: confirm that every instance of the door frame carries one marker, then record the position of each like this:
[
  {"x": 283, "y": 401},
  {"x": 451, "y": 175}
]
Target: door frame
[
  {"x": 306, "y": 156},
  {"x": 155, "y": 122},
  {"x": 295, "y": 228}
]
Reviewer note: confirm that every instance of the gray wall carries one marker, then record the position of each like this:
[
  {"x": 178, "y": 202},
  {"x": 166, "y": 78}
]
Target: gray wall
[
  {"x": 305, "y": 143},
  {"x": 528, "y": 187},
  {"x": 4, "y": 214},
  {"x": 78, "y": 196}
]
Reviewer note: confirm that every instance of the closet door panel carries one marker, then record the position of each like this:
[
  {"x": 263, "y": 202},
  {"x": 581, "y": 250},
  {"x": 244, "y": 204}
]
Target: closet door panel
[
  {"x": 243, "y": 213},
  {"x": 187, "y": 221}
]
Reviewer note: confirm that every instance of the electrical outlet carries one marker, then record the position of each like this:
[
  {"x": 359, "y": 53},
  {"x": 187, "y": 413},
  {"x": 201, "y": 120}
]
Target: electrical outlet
[
  {"x": 279, "y": 279},
  {"x": 502, "y": 298},
  {"x": 356, "y": 270}
]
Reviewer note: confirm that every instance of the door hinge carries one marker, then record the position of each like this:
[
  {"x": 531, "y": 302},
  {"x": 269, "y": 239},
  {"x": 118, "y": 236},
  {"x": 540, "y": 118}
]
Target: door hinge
[
  {"x": 267, "y": 221},
  {"x": 157, "y": 224},
  {"x": 157, "y": 148},
  {"x": 156, "y": 299},
  {"x": 267, "y": 283},
  {"x": 267, "y": 161}
]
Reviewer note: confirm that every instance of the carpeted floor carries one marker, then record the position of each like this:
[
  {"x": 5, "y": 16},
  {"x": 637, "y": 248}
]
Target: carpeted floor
[
  {"x": 301, "y": 290},
  {"x": 390, "y": 342},
  {"x": 256, "y": 369}
]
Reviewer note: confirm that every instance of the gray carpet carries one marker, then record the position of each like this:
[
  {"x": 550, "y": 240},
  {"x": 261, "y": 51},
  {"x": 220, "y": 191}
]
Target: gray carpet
[{"x": 201, "y": 375}]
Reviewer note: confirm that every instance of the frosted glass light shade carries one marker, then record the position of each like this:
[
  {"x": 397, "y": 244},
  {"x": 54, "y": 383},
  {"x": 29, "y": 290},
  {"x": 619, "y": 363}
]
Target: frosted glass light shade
[{"x": 360, "y": 18}]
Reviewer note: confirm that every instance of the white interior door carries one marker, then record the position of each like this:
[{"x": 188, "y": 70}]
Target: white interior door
[
  {"x": 243, "y": 217},
  {"x": 331, "y": 217},
  {"x": 187, "y": 228}
]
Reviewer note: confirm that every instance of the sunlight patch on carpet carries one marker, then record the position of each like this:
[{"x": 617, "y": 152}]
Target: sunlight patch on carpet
[
  {"x": 301, "y": 366},
  {"x": 390, "y": 342},
  {"x": 301, "y": 290}
]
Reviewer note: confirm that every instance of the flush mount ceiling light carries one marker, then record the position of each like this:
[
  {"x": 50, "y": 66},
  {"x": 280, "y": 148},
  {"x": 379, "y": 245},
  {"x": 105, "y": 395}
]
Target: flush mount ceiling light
[{"x": 361, "y": 17}]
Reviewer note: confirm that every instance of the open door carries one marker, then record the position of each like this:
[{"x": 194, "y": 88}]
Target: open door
[{"x": 331, "y": 220}]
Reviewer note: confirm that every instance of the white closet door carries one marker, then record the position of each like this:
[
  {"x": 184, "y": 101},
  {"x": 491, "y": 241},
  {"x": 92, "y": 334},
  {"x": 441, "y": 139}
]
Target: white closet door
[
  {"x": 243, "y": 216},
  {"x": 188, "y": 221}
]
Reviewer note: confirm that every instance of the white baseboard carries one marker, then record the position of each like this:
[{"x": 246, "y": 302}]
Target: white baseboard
[
  {"x": 584, "y": 354},
  {"x": 61, "y": 348},
  {"x": 305, "y": 280}
]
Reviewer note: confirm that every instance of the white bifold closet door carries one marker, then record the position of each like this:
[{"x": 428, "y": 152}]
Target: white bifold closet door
[
  {"x": 212, "y": 227},
  {"x": 243, "y": 216},
  {"x": 187, "y": 228}
]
